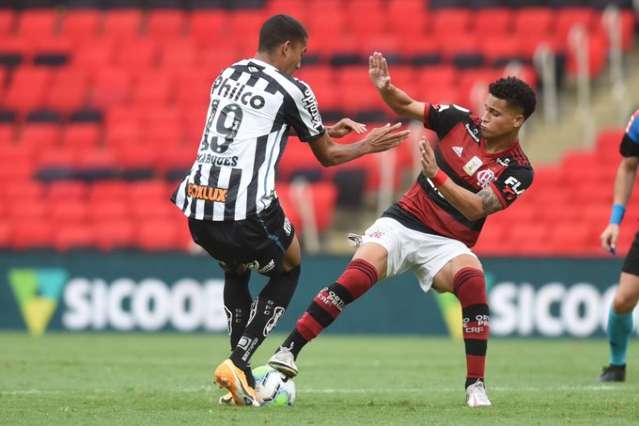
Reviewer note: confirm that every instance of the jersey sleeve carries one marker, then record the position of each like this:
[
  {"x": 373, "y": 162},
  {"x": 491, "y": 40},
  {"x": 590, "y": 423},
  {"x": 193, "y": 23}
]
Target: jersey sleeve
[
  {"x": 302, "y": 113},
  {"x": 511, "y": 184},
  {"x": 630, "y": 143},
  {"x": 442, "y": 118}
]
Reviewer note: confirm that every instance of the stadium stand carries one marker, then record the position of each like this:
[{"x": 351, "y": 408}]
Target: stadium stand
[{"x": 102, "y": 103}]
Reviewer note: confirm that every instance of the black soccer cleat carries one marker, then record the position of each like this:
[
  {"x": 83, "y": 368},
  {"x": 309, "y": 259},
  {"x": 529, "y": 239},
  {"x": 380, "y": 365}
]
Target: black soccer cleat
[{"x": 613, "y": 373}]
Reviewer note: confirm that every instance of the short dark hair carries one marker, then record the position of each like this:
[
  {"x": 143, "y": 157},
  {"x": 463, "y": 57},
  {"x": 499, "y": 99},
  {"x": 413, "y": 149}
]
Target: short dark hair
[
  {"x": 278, "y": 29},
  {"x": 516, "y": 93}
]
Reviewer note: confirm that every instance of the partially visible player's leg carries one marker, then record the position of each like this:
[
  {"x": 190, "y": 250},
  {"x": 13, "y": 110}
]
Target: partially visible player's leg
[
  {"x": 620, "y": 325},
  {"x": 237, "y": 302},
  {"x": 269, "y": 306},
  {"x": 463, "y": 276},
  {"x": 368, "y": 263}
]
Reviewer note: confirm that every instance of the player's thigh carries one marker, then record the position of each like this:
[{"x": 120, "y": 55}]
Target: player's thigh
[
  {"x": 293, "y": 255},
  {"x": 444, "y": 279},
  {"x": 627, "y": 293}
]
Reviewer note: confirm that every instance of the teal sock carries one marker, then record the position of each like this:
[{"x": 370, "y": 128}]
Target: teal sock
[{"x": 619, "y": 329}]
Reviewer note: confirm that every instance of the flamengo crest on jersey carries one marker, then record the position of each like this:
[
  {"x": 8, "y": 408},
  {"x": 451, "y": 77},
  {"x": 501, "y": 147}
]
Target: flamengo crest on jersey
[{"x": 252, "y": 107}]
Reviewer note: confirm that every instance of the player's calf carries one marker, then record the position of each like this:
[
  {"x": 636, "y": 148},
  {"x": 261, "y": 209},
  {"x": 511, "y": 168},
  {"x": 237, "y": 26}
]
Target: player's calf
[
  {"x": 357, "y": 278},
  {"x": 470, "y": 289}
]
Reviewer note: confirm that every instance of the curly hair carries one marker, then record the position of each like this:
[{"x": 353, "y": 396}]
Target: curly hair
[{"x": 516, "y": 93}]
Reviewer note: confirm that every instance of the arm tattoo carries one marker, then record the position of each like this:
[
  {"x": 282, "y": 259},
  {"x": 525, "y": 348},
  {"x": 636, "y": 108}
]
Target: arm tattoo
[{"x": 489, "y": 201}]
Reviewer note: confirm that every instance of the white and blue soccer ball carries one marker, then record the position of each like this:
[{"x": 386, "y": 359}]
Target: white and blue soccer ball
[{"x": 273, "y": 387}]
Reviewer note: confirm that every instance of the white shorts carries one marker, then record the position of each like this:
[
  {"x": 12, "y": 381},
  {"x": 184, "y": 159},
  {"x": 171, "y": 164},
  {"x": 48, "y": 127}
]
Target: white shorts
[{"x": 409, "y": 250}]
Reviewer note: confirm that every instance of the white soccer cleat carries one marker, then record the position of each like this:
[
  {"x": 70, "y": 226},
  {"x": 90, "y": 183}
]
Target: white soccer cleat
[
  {"x": 284, "y": 362},
  {"x": 476, "y": 395}
]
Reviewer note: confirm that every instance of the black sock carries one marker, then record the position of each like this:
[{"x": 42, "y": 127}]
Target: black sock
[
  {"x": 269, "y": 308},
  {"x": 237, "y": 304},
  {"x": 295, "y": 342},
  {"x": 471, "y": 380}
]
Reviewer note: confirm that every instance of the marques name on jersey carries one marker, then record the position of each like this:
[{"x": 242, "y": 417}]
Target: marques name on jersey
[{"x": 217, "y": 161}]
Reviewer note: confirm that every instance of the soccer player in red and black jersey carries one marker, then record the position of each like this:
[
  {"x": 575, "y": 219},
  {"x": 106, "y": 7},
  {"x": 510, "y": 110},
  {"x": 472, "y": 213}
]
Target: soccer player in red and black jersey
[{"x": 476, "y": 168}]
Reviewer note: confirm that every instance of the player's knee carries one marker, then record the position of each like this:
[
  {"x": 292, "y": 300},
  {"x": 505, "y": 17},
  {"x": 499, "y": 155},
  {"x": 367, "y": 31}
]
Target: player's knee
[
  {"x": 358, "y": 277},
  {"x": 624, "y": 303},
  {"x": 470, "y": 286}
]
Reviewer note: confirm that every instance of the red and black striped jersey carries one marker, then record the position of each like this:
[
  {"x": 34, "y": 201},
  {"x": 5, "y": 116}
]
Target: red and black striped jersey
[{"x": 460, "y": 153}]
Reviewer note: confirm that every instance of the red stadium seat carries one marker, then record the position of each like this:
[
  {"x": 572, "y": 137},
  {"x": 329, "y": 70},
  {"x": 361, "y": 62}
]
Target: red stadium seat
[
  {"x": 407, "y": 25},
  {"x": 37, "y": 23},
  {"x": 112, "y": 86},
  {"x": 451, "y": 21},
  {"x": 61, "y": 192},
  {"x": 153, "y": 89},
  {"x": 93, "y": 54},
  {"x": 97, "y": 159},
  {"x": 138, "y": 53},
  {"x": 7, "y": 136},
  {"x": 530, "y": 21},
  {"x": 497, "y": 22},
  {"x": 114, "y": 234},
  {"x": 108, "y": 209},
  {"x": 69, "y": 90},
  {"x": 568, "y": 17},
  {"x": 69, "y": 212},
  {"x": 27, "y": 190},
  {"x": 108, "y": 190},
  {"x": 81, "y": 136},
  {"x": 74, "y": 236},
  {"x": 207, "y": 27},
  {"x": 39, "y": 136},
  {"x": 374, "y": 24},
  {"x": 123, "y": 23},
  {"x": 83, "y": 23},
  {"x": 443, "y": 75},
  {"x": 158, "y": 235},
  {"x": 28, "y": 89},
  {"x": 7, "y": 19},
  {"x": 32, "y": 234},
  {"x": 179, "y": 54},
  {"x": 166, "y": 23},
  {"x": 154, "y": 189}
]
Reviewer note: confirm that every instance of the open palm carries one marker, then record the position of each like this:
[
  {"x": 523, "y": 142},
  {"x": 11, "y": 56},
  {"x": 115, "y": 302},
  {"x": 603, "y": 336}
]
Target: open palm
[{"x": 378, "y": 70}]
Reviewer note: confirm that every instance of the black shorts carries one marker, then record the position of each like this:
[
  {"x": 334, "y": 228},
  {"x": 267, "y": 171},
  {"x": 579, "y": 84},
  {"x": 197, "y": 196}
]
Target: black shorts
[
  {"x": 258, "y": 243},
  {"x": 631, "y": 264}
]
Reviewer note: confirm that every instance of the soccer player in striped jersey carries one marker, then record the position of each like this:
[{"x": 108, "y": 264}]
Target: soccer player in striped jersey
[
  {"x": 229, "y": 194},
  {"x": 475, "y": 169},
  {"x": 626, "y": 296}
]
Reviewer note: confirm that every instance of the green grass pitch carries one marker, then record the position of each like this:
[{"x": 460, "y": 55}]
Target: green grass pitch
[{"x": 116, "y": 379}]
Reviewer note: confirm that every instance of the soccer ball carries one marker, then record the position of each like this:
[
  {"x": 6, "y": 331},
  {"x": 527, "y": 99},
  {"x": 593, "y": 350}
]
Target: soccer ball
[{"x": 273, "y": 387}]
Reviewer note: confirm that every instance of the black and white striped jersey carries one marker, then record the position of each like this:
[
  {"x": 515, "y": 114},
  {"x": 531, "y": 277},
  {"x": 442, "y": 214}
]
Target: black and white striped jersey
[{"x": 253, "y": 105}]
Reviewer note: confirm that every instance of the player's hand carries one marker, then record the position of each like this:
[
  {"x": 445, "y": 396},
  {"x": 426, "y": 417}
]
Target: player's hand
[
  {"x": 429, "y": 164},
  {"x": 346, "y": 126},
  {"x": 384, "y": 138},
  {"x": 609, "y": 238},
  {"x": 378, "y": 71}
]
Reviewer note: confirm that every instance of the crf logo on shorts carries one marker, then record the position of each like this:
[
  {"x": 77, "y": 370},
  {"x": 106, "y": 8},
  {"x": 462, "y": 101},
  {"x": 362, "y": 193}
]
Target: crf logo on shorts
[{"x": 206, "y": 193}]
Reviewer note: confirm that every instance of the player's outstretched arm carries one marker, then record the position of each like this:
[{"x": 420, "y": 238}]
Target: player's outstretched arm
[
  {"x": 624, "y": 182},
  {"x": 472, "y": 206},
  {"x": 340, "y": 129},
  {"x": 330, "y": 153},
  {"x": 394, "y": 97}
]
